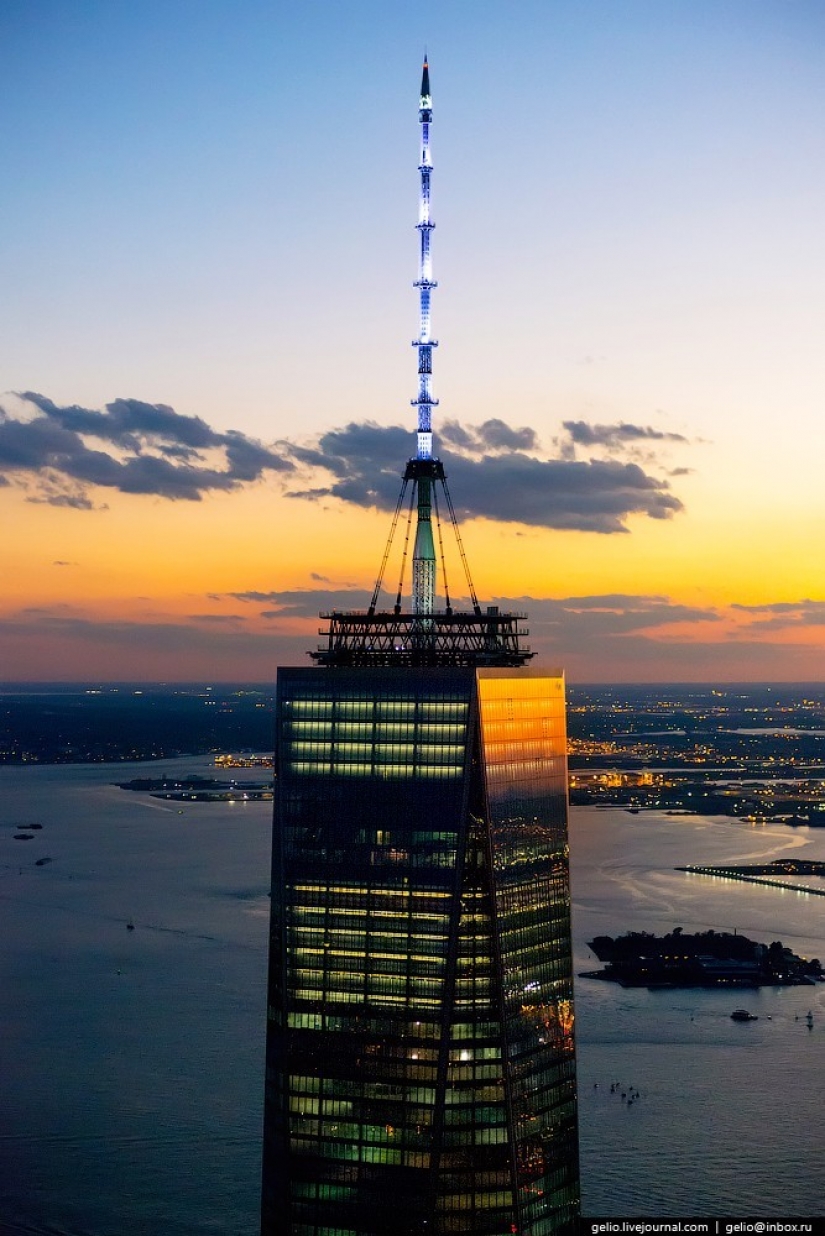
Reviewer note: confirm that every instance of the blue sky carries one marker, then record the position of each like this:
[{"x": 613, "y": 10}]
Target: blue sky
[
  {"x": 211, "y": 205},
  {"x": 238, "y": 180}
]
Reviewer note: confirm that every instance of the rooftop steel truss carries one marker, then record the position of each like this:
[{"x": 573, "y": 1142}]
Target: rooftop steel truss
[{"x": 468, "y": 639}]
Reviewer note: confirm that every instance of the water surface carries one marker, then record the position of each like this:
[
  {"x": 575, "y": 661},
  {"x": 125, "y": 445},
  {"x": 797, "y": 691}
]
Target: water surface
[{"x": 132, "y": 1072}]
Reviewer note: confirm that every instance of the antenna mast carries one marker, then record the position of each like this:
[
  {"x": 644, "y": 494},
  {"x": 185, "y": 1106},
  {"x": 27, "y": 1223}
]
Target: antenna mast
[
  {"x": 424, "y": 567},
  {"x": 423, "y": 637}
]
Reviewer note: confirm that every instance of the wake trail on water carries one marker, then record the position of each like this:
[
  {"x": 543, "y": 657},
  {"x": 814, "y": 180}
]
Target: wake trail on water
[{"x": 110, "y": 918}]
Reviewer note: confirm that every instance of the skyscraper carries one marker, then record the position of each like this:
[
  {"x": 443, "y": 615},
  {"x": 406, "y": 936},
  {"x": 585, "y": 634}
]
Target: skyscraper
[{"x": 420, "y": 1073}]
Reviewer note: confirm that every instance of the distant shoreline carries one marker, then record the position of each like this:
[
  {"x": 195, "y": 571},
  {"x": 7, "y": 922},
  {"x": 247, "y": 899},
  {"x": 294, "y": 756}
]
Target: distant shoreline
[{"x": 756, "y": 874}]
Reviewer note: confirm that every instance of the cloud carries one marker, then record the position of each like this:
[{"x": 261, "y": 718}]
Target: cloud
[
  {"x": 579, "y": 621},
  {"x": 621, "y": 434},
  {"x": 58, "y": 620},
  {"x": 225, "y": 619},
  {"x": 492, "y": 435},
  {"x": 505, "y": 484},
  {"x": 611, "y": 637},
  {"x": 51, "y": 497},
  {"x": 131, "y": 446},
  {"x": 57, "y": 643},
  {"x": 649, "y": 638},
  {"x": 576, "y": 621},
  {"x": 781, "y": 607},
  {"x": 60, "y": 562},
  {"x": 784, "y": 614},
  {"x": 496, "y": 471},
  {"x": 305, "y": 603}
]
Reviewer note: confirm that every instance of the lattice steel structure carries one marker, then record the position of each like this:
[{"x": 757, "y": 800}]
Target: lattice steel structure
[{"x": 488, "y": 638}]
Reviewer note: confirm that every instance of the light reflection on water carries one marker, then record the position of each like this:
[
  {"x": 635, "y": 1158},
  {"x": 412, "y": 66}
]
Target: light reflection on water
[
  {"x": 729, "y": 1113},
  {"x": 132, "y": 1101}
]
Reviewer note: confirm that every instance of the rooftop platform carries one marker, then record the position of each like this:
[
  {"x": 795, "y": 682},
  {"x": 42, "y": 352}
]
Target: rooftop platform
[{"x": 477, "y": 638}]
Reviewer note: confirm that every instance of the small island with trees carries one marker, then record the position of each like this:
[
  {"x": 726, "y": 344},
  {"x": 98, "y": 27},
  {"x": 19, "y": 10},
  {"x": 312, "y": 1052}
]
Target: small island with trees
[{"x": 703, "y": 959}]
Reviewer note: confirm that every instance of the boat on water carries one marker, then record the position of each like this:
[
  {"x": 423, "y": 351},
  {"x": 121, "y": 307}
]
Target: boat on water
[{"x": 743, "y": 1015}]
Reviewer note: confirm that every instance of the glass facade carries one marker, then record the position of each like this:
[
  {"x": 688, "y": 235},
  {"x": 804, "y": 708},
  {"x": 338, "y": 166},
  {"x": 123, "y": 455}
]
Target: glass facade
[{"x": 420, "y": 1066}]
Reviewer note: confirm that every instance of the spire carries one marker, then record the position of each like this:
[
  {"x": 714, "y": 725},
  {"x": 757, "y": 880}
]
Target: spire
[
  {"x": 425, "y": 636},
  {"x": 424, "y": 558}
]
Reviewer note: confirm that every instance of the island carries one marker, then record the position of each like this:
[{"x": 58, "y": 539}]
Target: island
[
  {"x": 194, "y": 789},
  {"x": 702, "y": 959}
]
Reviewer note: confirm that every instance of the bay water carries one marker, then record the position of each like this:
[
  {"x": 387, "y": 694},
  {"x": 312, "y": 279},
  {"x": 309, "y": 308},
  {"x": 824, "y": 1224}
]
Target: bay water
[{"x": 131, "y": 1069}]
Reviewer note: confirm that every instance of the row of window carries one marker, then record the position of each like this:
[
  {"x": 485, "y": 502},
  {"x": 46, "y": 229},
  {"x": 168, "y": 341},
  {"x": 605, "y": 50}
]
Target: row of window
[
  {"x": 358, "y": 910},
  {"x": 368, "y": 709},
  {"x": 521, "y": 699},
  {"x": 487, "y": 1092},
  {"x": 500, "y": 1199},
  {"x": 311, "y": 962},
  {"x": 391, "y": 956},
  {"x": 306, "y": 984},
  {"x": 387, "y": 772},
  {"x": 341, "y": 1109},
  {"x": 422, "y": 982},
  {"x": 350, "y": 1151},
  {"x": 476, "y": 1137},
  {"x": 405, "y": 836},
  {"x": 469, "y": 1115},
  {"x": 361, "y": 942},
  {"x": 358, "y": 1132},
  {"x": 474, "y": 1072},
  {"x": 478, "y": 1200},
  {"x": 475, "y": 1030},
  {"x": 394, "y": 934},
  {"x": 379, "y": 731},
  {"x": 519, "y": 725},
  {"x": 522, "y": 748},
  {"x": 417, "y": 899},
  {"x": 312, "y": 1229},
  {"x": 392, "y": 925},
  {"x": 544, "y": 772},
  {"x": 384, "y": 999},
  {"x": 422, "y": 857},
  {"x": 306, "y": 1084},
  {"x": 322, "y": 1192},
  {"x": 380, "y": 752}
]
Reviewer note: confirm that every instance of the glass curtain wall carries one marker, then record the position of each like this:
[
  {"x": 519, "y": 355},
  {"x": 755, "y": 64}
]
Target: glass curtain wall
[
  {"x": 524, "y": 757},
  {"x": 419, "y": 1053}
]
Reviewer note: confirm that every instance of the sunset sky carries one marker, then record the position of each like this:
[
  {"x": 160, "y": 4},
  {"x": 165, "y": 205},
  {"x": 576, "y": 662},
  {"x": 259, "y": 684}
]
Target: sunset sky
[{"x": 206, "y": 309}]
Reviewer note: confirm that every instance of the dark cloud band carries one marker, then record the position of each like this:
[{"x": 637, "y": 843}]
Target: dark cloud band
[
  {"x": 139, "y": 448},
  {"x": 495, "y": 471},
  {"x": 621, "y": 434},
  {"x": 504, "y": 484}
]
